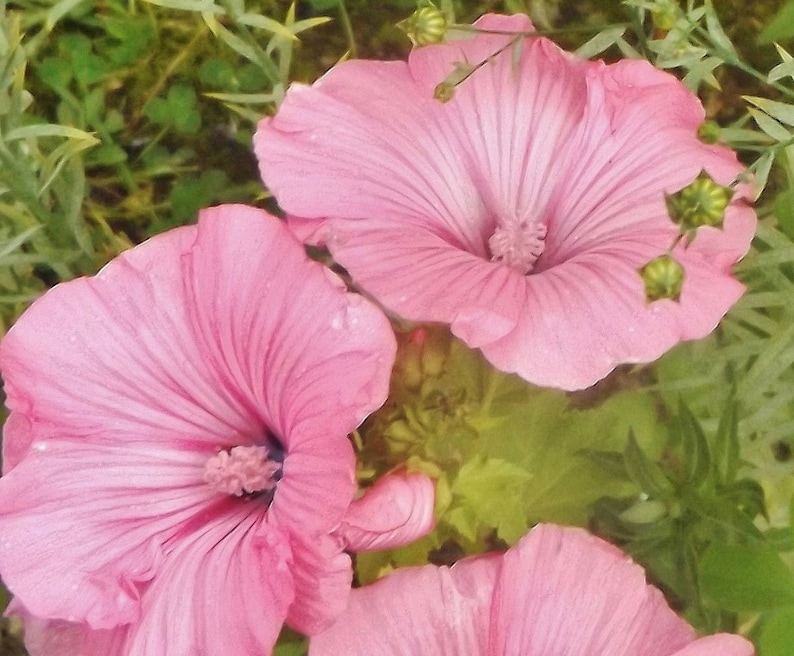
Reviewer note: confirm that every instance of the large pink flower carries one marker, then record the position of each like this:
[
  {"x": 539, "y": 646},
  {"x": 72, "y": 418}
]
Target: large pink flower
[
  {"x": 559, "y": 591},
  {"x": 177, "y": 475},
  {"x": 520, "y": 211}
]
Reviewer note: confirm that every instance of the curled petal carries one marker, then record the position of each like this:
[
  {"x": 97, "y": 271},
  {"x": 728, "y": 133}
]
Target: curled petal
[{"x": 395, "y": 511}]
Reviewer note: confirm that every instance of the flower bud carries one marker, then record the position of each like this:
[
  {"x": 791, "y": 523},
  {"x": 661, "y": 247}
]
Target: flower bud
[
  {"x": 444, "y": 92},
  {"x": 701, "y": 203},
  {"x": 427, "y": 25},
  {"x": 663, "y": 277}
]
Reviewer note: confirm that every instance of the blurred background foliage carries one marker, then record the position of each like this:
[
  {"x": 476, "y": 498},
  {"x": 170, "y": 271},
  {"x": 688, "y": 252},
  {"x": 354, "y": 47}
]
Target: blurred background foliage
[{"x": 121, "y": 118}]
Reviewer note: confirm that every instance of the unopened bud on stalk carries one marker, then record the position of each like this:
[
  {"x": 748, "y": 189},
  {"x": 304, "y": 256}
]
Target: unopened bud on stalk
[
  {"x": 427, "y": 25},
  {"x": 663, "y": 277}
]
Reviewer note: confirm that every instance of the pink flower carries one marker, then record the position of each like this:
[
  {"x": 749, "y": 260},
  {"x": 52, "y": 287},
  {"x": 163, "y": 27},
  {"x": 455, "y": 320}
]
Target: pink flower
[
  {"x": 520, "y": 211},
  {"x": 177, "y": 474},
  {"x": 558, "y": 591}
]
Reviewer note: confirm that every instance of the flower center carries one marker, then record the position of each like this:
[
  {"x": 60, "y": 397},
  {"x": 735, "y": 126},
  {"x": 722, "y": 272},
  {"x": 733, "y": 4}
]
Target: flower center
[
  {"x": 243, "y": 470},
  {"x": 518, "y": 244}
]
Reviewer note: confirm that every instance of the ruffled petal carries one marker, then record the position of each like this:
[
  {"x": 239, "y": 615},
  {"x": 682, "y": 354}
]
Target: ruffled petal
[
  {"x": 582, "y": 318},
  {"x": 429, "y": 610},
  {"x": 722, "y": 644},
  {"x": 59, "y": 638},
  {"x": 83, "y": 526},
  {"x": 323, "y": 575},
  {"x": 224, "y": 590},
  {"x": 561, "y": 590},
  {"x": 394, "y": 512},
  {"x": 309, "y": 356},
  {"x": 113, "y": 359}
]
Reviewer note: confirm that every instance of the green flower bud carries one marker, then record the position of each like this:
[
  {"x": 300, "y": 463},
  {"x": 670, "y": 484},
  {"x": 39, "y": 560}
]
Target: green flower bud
[
  {"x": 709, "y": 132},
  {"x": 663, "y": 277},
  {"x": 701, "y": 203},
  {"x": 427, "y": 25},
  {"x": 666, "y": 14},
  {"x": 444, "y": 92}
]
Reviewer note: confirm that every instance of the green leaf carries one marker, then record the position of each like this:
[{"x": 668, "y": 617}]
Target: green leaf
[
  {"x": 726, "y": 443},
  {"x": 601, "y": 42},
  {"x": 484, "y": 485},
  {"x": 55, "y": 72},
  {"x": 204, "y": 6},
  {"x": 52, "y": 130},
  {"x": 267, "y": 24},
  {"x": 59, "y": 10},
  {"x": 784, "y": 212},
  {"x": 781, "y": 27},
  {"x": 761, "y": 167},
  {"x": 645, "y": 472},
  {"x": 742, "y": 578},
  {"x": 785, "y": 68},
  {"x": 697, "y": 458},
  {"x": 717, "y": 34},
  {"x": 783, "y": 112},
  {"x": 770, "y": 126},
  {"x": 777, "y": 633}
]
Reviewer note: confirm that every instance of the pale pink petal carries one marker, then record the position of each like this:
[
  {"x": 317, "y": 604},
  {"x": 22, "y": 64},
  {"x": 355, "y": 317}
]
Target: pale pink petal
[
  {"x": 722, "y": 644},
  {"x": 59, "y": 638},
  {"x": 223, "y": 590},
  {"x": 394, "y": 512},
  {"x": 311, "y": 357},
  {"x": 361, "y": 119},
  {"x": 428, "y": 610},
  {"x": 113, "y": 359},
  {"x": 564, "y": 591},
  {"x": 322, "y": 575},
  {"x": 481, "y": 300},
  {"x": 83, "y": 526},
  {"x": 594, "y": 315}
]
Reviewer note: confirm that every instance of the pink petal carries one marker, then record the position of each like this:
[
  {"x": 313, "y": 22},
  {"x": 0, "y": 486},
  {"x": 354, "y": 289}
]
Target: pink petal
[
  {"x": 322, "y": 575},
  {"x": 312, "y": 358},
  {"x": 562, "y": 590},
  {"x": 83, "y": 526},
  {"x": 394, "y": 512},
  {"x": 109, "y": 358},
  {"x": 59, "y": 638},
  {"x": 358, "y": 120},
  {"x": 582, "y": 318},
  {"x": 428, "y": 610},
  {"x": 224, "y": 590},
  {"x": 481, "y": 300},
  {"x": 722, "y": 644}
]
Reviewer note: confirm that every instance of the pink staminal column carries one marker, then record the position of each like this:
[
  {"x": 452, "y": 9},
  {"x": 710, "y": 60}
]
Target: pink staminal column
[
  {"x": 517, "y": 243},
  {"x": 242, "y": 470}
]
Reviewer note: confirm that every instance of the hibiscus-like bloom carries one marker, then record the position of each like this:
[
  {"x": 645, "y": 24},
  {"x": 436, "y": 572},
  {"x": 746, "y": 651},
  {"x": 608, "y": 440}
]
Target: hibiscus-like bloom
[
  {"x": 177, "y": 474},
  {"x": 521, "y": 210},
  {"x": 559, "y": 591}
]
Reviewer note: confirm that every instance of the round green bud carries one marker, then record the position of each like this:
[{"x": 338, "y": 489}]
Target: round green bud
[
  {"x": 427, "y": 25},
  {"x": 701, "y": 203},
  {"x": 709, "y": 132},
  {"x": 663, "y": 278}
]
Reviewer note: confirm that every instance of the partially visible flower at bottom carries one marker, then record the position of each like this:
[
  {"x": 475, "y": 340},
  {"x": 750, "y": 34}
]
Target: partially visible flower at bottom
[
  {"x": 558, "y": 591},
  {"x": 177, "y": 474}
]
